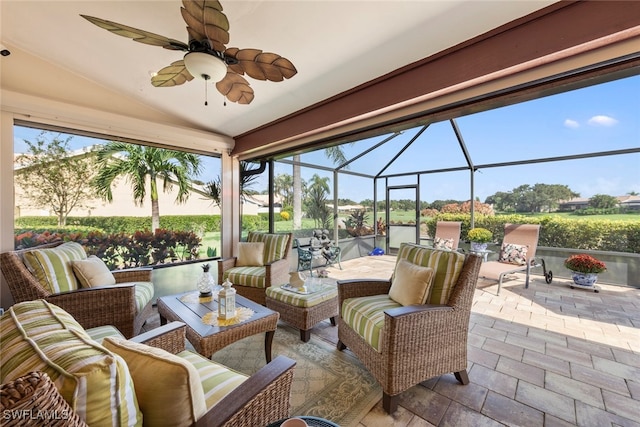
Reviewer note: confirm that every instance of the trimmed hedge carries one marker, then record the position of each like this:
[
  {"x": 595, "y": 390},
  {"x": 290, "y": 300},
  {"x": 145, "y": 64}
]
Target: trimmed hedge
[
  {"x": 124, "y": 250},
  {"x": 124, "y": 224},
  {"x": 555, "y": 232}
]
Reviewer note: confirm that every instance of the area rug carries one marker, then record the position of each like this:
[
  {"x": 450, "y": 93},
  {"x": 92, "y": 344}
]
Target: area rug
[{"x": 327, "y": 383}]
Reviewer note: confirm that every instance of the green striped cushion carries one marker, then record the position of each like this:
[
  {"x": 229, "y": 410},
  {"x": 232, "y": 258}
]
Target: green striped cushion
[
  {"x": 143, "y": 294},
  {"x": 365, "y": 315},
  {"x": 168, "y": 387},
  {"x": 217, "y": 380},
  {"x": 52, "y": 266},
  {"x": 38, "y": 336},
  {"x": 446, "y": 264},
  {"x": 275, "y": 245},
  {"x": 254, "y": 277},
  {"x": 326, "y": 293},
  {"x": 99, "y": 333}
]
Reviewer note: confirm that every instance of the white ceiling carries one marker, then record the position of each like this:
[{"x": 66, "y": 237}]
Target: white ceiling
[{"x": 335, "y": 45}]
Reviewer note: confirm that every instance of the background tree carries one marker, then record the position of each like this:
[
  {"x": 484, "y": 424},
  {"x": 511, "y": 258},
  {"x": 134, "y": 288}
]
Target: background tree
[
  {"x": 55, "y": 178},
  {"x": 603, "y": 201},
  {"x": 335, "y": 154},
  {"x": 213, "y": 188},
  {"x": 142, "y": 166},
  {"x": 283, "y": 187},
  {"x": 316, "y": 201},
  {"x": 527, "y": 198}
]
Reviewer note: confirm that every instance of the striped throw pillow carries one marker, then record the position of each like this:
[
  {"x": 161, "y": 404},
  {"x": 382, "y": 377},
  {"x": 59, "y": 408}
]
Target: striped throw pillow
[
  {"x": 52, "y": 266},
  {"x": 447, "y": 266},
  {"x": 38, "y": 336},
  {"x": 275, "y": 245}
]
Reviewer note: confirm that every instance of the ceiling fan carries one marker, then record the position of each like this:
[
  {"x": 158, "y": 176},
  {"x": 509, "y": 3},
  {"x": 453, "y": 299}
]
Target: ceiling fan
[{"x": 206, "y": 56}]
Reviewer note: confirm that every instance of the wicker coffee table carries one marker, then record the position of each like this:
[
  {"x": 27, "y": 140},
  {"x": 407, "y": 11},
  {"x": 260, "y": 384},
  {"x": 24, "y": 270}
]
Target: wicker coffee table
[{"x": 206, "y": 338}]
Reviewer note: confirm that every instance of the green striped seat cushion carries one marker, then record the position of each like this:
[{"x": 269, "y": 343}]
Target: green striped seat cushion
[
  {"x": 98, "y": 334},
  {"x": 275, "y": 245},
  {"x": 38, "y": 336},
  {"x": 52, "y": 266},
  {"x": 143, "y": 294},
  {"x": 254, "y": 277},
  {"x": 326, "y": 293},
  {"x": 168, "y": 387},
  {"x": 447, "y": 266},
  {"x": 365, "y": 315},
  {"x": 217, "y": 380}
]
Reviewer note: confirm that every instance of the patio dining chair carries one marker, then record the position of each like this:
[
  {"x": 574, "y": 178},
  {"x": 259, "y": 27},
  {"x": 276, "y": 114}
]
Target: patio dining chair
[{"x": 517, "y": 254}]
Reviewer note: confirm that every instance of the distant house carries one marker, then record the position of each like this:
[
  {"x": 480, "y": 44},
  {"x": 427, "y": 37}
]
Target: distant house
[
  {"x": 253, "y": 204},
  {"x": 574, "y": 204},
  {"x": 629, "y": 202}
]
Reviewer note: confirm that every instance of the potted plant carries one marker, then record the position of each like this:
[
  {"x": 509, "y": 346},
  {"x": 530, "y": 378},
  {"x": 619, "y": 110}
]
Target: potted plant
[
  {"x": 584, "y": 269},
  {"x": 479, "y": 237}
]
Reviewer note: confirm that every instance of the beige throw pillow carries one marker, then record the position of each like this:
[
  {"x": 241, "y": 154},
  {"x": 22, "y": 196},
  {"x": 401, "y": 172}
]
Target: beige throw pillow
[
  {"x": 250, "y": 254},
  {"x": 168, "y": 388},
  {"x": 92, "y": 272},
  {"x": 411, "y": 283}
]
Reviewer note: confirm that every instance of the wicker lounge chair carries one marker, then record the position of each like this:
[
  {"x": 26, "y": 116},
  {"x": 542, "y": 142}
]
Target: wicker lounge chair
[
  {"x": 525, "y": 235},
  {"x": 96, "y": 306},
  {"x": 416, "y": 342}
]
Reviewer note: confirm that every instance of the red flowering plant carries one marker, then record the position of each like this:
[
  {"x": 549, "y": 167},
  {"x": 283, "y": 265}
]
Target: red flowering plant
[{"x": 583, "y": 263}]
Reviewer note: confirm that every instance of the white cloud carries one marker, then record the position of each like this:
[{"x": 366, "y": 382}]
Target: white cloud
[
  {"x": 602, "y": 121},
  {"x": 571, "y": 124}
]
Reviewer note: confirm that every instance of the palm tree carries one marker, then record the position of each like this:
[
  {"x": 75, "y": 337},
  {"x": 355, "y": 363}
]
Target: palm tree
[
  {"x": 140, "y": 164},
  {"x": 336, "y": 154},
  {"x": 283, "y": 187}
]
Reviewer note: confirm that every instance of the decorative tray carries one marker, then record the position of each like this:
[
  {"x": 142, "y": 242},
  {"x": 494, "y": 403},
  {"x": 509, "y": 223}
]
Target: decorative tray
[{"x": 302, "y": 290}]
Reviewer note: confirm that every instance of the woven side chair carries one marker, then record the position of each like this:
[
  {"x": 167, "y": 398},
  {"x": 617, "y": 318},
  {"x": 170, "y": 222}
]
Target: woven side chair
[
  {"x": 252, "y": 281},
  {"x": 416, "y": 342},
  {"x": 107, "y": 305}
]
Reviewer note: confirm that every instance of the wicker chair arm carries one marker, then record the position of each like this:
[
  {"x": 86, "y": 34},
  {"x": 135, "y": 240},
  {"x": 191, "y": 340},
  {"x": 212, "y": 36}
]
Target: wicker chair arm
[
  {"x": 107, "y": 305},
  {"x": 277, "y": 271},
  {"x": 262, "y": 399},
  {"x": 412, "y": 328},
  {"x": 169, "y": 337},
  {"x": 133, "y": 275},
  {"x": 361, "y": 288},
  {"x": 223, "y": 265}
]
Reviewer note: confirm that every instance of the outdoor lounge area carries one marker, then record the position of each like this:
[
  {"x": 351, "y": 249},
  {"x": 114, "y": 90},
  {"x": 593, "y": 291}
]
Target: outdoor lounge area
[
  {"x": 548, "y": 355},
  {"x": 251, "y": 236}
]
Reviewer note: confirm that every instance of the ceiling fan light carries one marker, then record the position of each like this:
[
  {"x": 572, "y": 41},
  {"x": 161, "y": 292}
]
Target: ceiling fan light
[{"x": 205, "y": 66}]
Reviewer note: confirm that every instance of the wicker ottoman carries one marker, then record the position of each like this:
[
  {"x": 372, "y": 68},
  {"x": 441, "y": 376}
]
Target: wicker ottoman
[{"x": 304, "y": 311}]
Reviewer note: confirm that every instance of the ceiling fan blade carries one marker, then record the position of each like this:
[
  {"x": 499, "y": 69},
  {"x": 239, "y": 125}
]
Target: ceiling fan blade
[
  {"x": 235, "y": 88},
  {"x": 261, "y": 65},
  {"x": 205, "y": 21},
  {"x": 172, "y": 75},
  {"x": 137, "y": 35}
]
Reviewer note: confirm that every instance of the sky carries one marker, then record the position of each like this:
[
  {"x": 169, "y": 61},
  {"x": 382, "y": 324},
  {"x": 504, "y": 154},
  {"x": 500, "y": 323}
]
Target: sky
[{"x": 593, "y": 119}]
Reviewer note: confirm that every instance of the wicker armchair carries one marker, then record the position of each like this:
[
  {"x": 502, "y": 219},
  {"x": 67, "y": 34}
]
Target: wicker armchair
[
  {"x": 251, "y": 282},
  {"x": 91, "y": 307},
  {"x": 416, "y": 342},
  {"x": 262, "y": 399},
  {"x": 259, "y": 400}
]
